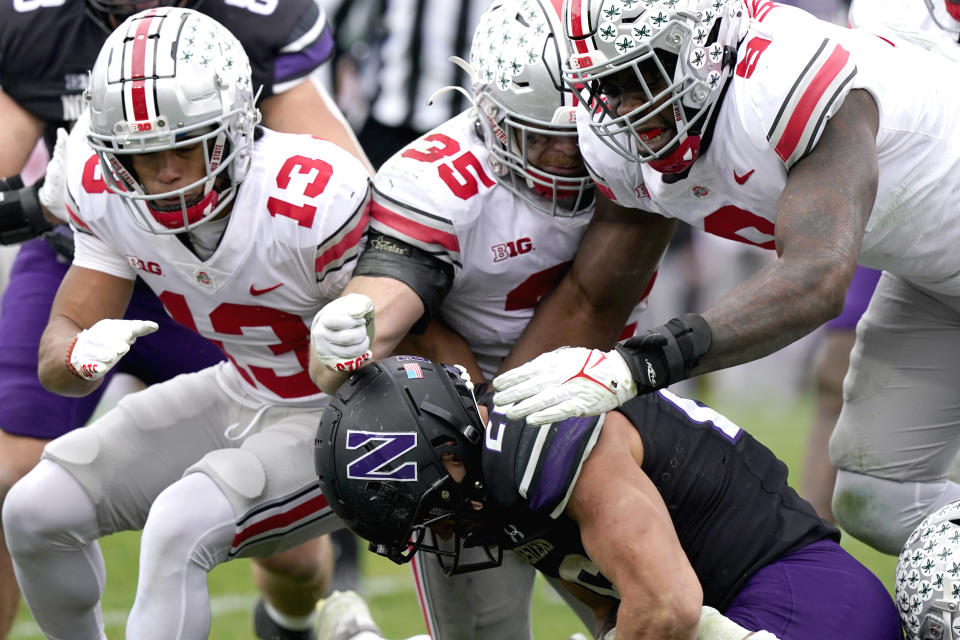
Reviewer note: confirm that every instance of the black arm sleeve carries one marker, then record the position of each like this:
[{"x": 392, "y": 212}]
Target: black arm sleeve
[
  {"x": 428, "y": 276},
  {"x": 21, "y": 217}
]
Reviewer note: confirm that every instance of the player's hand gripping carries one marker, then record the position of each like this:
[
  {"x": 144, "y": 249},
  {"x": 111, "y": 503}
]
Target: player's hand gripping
[
  {"x": 342, "y": 332},
  {"x": 572, "y": 381},
  {"x": 95, "y": 350},
  {"x": 576, "y": 381}
]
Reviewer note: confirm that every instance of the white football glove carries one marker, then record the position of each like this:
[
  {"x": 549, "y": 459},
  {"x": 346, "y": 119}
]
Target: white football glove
[
  {"x": 567, "y": 382},
  {"x": 53, "y": 189},
  {"x": 342, "y": 332},
  {"x": 95, "y": 350},
  {"x": 716, "y": 626}
]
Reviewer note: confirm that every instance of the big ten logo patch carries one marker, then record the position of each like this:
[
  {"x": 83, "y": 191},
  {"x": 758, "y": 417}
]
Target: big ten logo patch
[
  {"x": 143, "y": 265},
  {"x": 511, "y": 249}
]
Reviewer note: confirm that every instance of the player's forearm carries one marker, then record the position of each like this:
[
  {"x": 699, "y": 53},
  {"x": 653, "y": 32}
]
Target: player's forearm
[
  {"x": 617, "y": 257},
  {"x": 18, "y": 135},
  {"x": 821, "y": 216},
  {"x": 776, "y": 307},
  {"x": 52, "y": 360},
  {"x": 566, "y": 317}
]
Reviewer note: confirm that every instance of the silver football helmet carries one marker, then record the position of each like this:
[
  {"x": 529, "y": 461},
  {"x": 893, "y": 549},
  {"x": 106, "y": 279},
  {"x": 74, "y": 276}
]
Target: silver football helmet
[
  {"x": 170, "y": 78},
  {"x": 928, "y": 577},
  {"x": 679, "y": 55},
  {"x": 518, "y": 89}
]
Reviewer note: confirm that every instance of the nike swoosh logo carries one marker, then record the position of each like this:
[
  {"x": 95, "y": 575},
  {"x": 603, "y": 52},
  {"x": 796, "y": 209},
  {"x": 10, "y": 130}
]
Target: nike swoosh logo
[
  {"x": 259, "y": 292},
  {"x": 744, "y": 177}
]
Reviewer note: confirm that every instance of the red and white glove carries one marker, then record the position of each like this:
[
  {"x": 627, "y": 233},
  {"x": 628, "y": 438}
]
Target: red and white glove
[
  {"x": 95, "y": 350},
  {"x": 342, "y": 332},
  {"x": 567, "y": 382}
]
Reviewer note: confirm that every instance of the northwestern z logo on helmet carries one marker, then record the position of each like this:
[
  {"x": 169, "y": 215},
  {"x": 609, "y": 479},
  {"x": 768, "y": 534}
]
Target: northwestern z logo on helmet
[{"x": 378, "y": 464}]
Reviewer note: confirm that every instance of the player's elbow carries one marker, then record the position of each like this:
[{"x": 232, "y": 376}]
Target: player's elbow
[
  {"x": 58, "y": 380},
  {"x": 820, "y": 286},
  {"x": 831, "y": 291}
]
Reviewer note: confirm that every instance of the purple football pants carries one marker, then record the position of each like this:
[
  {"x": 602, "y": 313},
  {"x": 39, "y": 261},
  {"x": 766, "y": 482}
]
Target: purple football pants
[
  {"x": 820, "y": 592},
  {"x": 26, "y": 408},
  {"x": 858, "y": 297}
]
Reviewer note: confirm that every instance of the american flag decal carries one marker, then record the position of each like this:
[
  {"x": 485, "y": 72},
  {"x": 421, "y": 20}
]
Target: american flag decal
[{"x": 413, "y": 370}]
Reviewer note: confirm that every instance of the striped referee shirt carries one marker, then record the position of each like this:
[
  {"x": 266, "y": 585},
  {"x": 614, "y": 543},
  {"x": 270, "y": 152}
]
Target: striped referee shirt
[{"x": 411, "y": 42}]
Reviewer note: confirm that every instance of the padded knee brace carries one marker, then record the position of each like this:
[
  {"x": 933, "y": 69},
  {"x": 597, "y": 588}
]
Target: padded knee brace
[{"x": 48, "y": 509}]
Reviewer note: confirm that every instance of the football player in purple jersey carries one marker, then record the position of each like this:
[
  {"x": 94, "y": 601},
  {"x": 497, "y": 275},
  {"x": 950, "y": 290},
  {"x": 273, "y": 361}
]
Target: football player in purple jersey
[
  {"x": 46, "y": 50},
  {"x": 646, "y": 513}
]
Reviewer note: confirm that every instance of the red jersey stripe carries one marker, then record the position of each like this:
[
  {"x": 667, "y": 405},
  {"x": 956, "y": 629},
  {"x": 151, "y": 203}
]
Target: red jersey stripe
[
  {"x": 77, "y": 221},
  {"x": 809, "y": 100},
  {"x": 419, "y": 232},
  {"x": 349, "y": 241}
]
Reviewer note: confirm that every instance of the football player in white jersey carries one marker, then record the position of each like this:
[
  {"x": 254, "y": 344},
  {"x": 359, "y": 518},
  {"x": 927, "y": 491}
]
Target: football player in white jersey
[
  {"x": 471, "y": 224},
  {"x": 939, "y": 19},
  {"x": 831, "y": 146},
  {"x": 243, "y": 233},
  {"x": 930, "y": 24}
]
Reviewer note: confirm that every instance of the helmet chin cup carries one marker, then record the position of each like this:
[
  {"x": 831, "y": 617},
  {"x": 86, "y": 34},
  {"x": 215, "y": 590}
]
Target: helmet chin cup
[
  {"x": 680, "y": 159},
  {"x": 188, "y": 216}
]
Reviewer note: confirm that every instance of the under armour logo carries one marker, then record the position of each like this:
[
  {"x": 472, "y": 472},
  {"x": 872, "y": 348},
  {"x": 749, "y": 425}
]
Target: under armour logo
[
  {"x": 515, "y": 535},
  {"x": 651, "y": 374}
]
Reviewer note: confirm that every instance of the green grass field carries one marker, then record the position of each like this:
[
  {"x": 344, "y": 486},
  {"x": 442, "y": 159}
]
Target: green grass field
[{"x": 389, "y": 589}]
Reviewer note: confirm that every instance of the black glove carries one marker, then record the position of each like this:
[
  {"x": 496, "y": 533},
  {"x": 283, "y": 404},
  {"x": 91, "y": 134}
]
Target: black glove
[
  {"x": 666, "y": 354},
  {"x": 21, "y": 217}
]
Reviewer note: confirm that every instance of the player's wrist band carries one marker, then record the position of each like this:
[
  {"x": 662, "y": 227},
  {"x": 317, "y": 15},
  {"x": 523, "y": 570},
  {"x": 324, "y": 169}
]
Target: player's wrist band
[{"x": 672, "y": 349}]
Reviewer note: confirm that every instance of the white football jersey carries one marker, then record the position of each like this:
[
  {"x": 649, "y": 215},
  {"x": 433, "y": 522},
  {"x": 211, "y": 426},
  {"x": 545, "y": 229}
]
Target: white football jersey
[
  {"x": 908, "y": 14},
  {"x": 792, "y": 73},
  {"x": 295, "y": 231},
  {"x": 440, "y": 194}
]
